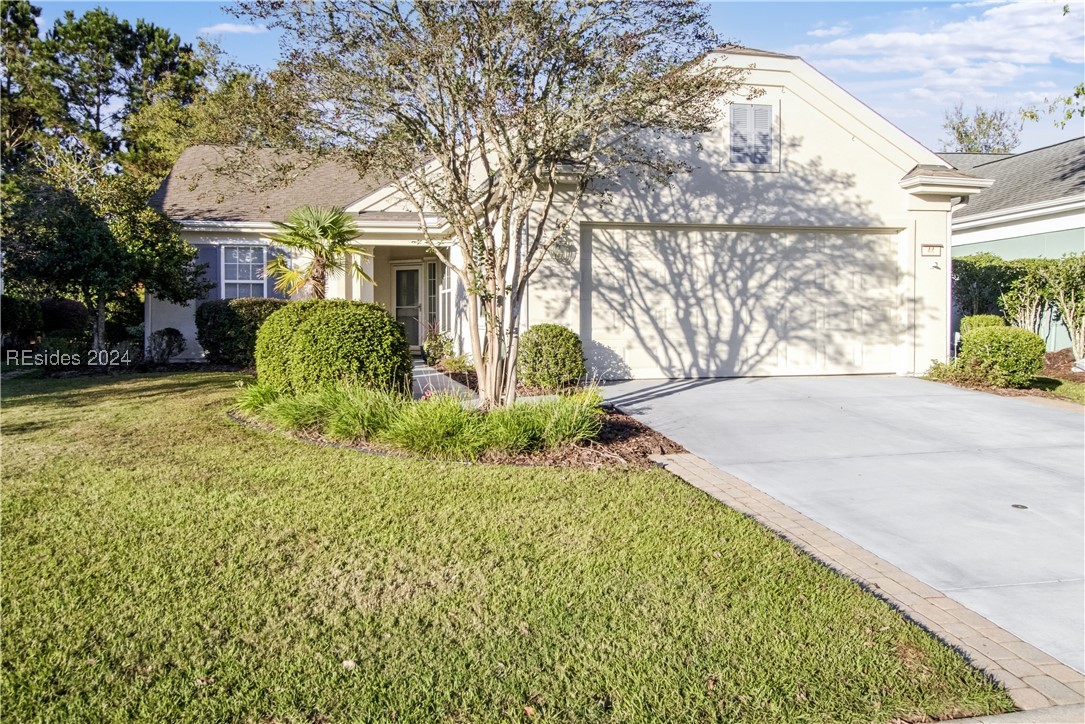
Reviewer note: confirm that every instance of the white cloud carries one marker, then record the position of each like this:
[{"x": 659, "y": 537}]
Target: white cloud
[
  {"x": 829, "y": 32},
  {"x": 233, "y": 29}
]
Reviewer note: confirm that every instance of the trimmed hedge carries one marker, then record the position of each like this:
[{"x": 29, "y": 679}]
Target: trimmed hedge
[
  {"x": 20, "y": 318},
  {"x": 226, "y": 328},
  {"x": 1016, "y": 353},
  {"x": 307, "y": 345},
  {"x": 979, "y": 321},
  {"x": 551, "y": 356}
]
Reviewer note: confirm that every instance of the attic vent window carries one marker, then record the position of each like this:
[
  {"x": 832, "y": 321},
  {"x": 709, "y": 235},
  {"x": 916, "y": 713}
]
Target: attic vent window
[{"x": 751, "y": 134}]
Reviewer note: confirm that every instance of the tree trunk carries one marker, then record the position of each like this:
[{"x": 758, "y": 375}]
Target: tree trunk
[
  {"x": 98, "y": 340},
  {"x": 319, "y": 278}
]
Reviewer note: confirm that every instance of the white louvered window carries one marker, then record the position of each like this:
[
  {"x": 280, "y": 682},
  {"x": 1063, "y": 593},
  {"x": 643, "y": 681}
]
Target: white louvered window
[
  {"x": 243, "y": 272},
  {"x": 751, "y": 134}
]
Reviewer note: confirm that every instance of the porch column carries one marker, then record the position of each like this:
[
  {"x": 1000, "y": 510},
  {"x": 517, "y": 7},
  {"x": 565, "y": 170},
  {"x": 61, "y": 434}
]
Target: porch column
[{"x": 363, "y": 289}]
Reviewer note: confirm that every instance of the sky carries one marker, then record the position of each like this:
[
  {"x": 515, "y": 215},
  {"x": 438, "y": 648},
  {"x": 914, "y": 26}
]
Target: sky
[{"x": 909, "y": 61}]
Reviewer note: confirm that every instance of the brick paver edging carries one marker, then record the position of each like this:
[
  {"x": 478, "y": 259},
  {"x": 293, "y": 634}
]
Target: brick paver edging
[{"x": 1034, "y": 679}]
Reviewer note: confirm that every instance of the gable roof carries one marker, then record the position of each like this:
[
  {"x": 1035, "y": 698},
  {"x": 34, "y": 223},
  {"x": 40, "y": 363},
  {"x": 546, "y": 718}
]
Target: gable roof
[
  {"x": 196, "y": 189},
  {"x": 968, "y": 161},
  {"x": 1044, "y": 174}
]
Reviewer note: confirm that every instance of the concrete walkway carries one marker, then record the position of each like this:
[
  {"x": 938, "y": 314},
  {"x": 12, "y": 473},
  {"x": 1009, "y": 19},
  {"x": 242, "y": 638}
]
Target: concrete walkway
[
  {"x": 428, "y": 379},
  {"x": 980, "y": 497}
]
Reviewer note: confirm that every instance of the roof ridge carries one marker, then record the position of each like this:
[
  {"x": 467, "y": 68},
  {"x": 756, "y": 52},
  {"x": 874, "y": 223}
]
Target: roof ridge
[{"x": 1031, "y": 150}]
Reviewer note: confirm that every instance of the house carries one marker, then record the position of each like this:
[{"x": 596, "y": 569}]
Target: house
[
  {"x": 1036, "y": 209},
  {"x": 810, "y": 237}
]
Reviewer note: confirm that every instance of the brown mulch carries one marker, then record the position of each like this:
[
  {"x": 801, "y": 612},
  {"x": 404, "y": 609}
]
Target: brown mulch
[
  {"x": 1060, "y": 365},
  {"x": 622, "y": 443}
]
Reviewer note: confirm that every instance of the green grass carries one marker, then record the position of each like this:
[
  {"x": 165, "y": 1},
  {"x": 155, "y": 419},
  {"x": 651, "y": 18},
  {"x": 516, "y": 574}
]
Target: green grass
[
  {"x": 1066, "y": 389},
  {"x": 162, "y": 563}
]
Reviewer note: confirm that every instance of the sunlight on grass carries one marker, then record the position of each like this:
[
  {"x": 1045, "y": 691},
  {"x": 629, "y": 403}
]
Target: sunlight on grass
[
  {"x": 162, "y": 563},
  {"x": 1066, "y": 389}
]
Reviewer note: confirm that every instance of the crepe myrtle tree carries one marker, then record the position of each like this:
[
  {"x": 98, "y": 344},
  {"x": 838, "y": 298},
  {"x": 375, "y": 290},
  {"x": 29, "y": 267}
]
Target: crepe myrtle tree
[{"x": 489, "y": 113}]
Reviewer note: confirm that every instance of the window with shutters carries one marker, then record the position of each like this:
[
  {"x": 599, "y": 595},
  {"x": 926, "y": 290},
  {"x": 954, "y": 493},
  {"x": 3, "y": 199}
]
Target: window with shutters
[
  {"x": 752, "y": 136},
  {"x": 243, "y": 272}
]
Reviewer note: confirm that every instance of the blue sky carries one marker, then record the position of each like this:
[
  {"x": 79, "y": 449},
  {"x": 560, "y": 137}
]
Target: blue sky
[{"x": 909, "y": 61}]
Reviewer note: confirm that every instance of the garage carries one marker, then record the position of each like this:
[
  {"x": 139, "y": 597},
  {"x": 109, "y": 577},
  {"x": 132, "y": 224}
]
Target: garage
[{"x": 680, "y": 302}]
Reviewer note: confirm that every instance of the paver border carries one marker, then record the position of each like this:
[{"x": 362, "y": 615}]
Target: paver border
[{"x": 1033, "y": 679}]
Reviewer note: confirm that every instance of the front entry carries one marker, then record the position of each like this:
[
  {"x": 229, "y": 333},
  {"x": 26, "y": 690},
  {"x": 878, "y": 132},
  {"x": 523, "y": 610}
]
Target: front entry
[{"x": 408, "y": 296}]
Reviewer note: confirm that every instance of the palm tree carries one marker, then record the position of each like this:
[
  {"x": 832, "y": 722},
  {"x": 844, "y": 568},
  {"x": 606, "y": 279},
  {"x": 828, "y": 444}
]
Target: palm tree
[{"x": 326, "y": 236}]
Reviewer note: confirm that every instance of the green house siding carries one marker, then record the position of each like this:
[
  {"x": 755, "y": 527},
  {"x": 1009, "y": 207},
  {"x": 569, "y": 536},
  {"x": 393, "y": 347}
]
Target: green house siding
[{"x": 1050, "y": 245}]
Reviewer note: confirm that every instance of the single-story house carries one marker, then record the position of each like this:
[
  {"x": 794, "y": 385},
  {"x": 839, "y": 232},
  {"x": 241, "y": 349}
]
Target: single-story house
[
  {"x": 1035, "y": 209},
  {"x": 810, "y": 237}
]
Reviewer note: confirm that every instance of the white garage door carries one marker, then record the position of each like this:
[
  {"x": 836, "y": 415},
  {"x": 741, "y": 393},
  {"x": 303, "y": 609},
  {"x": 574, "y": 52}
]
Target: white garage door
[{"x": 707, "y": 303}]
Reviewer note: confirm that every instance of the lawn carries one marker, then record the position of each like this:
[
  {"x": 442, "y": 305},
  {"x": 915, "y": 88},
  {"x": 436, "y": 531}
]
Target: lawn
[
  {"x": 163, "y": 563},
  {"x": 1066, "y": 389}
]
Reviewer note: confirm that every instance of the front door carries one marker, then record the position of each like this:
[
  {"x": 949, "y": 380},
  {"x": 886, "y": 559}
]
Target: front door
[{"x": 408, "y": 294}]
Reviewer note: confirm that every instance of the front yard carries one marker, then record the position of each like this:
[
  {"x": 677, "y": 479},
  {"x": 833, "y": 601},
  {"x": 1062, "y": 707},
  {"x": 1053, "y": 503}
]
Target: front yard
[{"x": 163, "y": 563}]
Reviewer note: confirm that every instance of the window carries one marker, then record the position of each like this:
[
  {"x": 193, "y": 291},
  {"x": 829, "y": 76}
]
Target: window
[
  {"x": 243, "y": 272},
  {"x": 751, "y": 134},
  {"x": 445, "y": 292},
  {"x": 432, "y": 283}
]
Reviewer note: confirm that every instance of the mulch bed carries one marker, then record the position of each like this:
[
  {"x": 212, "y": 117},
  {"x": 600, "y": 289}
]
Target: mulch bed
[
  {"x": 622, "y": 443},
  {"x": 1060, "y": 365}
]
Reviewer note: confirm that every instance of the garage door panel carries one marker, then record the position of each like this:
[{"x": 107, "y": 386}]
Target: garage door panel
[{"x": 688, "y": 303}]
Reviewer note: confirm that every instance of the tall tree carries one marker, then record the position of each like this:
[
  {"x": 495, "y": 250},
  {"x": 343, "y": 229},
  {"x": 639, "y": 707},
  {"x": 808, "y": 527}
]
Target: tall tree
[
  {"x": 103, "y": 69},
  {"x": 29, "y": 103},
  {"x": 505, "y": 111},
  {"x": 84, "y": 231},
  {"x": 984, "y": 131},
  {"x": 233, "y": 106}
]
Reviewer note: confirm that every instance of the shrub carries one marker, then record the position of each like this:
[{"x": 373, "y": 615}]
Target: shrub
[
  {"x": 58, "y": 314},
  {"x": 273, "y": 340},
  {"x": 72, "y": 343},
  {"x": 1065, "y": 282},
  {"x": 979, "y": 280},
  {"x": 1028, "y": 297},
  {"x": 969, "y": 372},
  {"x": 979, "y": 321},
  {"x": 440, "y": 426},
  {"x": 20, "y": 319},
  {"x": 459, "y": 363},
  {"x": 551, "y": 356},
  {"x": 352, "y": 342},
  {"x": 255, "y": 397},
  {"x": 437, "y": 345},
  {"x": 1017, "y": 353},
  {"x": 226, "y": 328},
  {"x": 360, "y": 413},
  {"x": 164, "y": 344}
]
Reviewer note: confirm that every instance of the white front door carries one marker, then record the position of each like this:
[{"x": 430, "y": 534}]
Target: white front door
[{"x": 408, "y": 298}]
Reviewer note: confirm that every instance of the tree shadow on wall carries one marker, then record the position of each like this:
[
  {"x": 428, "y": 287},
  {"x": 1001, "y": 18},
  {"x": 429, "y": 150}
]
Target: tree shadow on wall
[{"x": 685, "y": 301}]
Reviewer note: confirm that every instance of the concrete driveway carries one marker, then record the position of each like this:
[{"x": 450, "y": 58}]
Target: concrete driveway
[{"x": 926, "y": 476}]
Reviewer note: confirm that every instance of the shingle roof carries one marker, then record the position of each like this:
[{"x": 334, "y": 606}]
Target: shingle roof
[
  {"x": 195, "y": 190},
  {"x": 743, "y": 50},
  {"x": 1046, "y": 174},
  {"x": 938, "y": 172},
  {"x": 968, "y": 161}
]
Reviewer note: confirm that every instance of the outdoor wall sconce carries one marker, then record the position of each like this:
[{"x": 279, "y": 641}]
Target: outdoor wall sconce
[{"x": 563, "y": 252}]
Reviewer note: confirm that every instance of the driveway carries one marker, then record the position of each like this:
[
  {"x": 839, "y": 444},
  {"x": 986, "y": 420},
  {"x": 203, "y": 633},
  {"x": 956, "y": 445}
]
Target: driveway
[{"x": 979, "y": 496}]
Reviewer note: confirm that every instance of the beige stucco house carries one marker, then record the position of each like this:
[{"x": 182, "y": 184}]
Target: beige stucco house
[{"x": 811, "y": 237}]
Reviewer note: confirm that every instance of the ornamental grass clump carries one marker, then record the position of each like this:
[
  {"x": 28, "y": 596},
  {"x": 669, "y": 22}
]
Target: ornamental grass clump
[
  {"x": 360, "y": 413},
  {"x": 441, "y": 426}
]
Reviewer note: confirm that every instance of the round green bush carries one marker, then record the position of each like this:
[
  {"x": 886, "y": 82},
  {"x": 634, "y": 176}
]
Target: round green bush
[
  {"x": 307, "y": 345},
  {"x": 273, "y": 340},
  {"x": 980, "y": 321},
  {"x": 1016, "y": 353},
  {"x": 226, "y": 328},
  {"x": 551, "y": 356},
  {"x": 20, "y": 319},
  {"x": 357, "y": 343}
]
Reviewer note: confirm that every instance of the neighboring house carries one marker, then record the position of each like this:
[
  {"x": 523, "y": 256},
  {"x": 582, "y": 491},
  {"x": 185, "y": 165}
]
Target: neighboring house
[
  {"x": 1035, "y": 209},
  {"x": 810, "y": 237}
]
